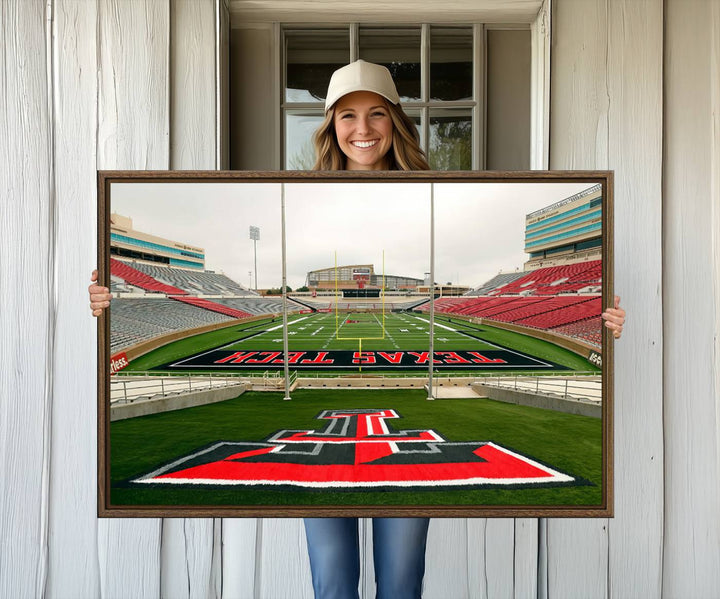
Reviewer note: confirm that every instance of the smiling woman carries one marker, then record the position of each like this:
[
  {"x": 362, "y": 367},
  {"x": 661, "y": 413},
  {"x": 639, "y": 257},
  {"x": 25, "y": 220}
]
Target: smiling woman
[{"x": 365, "y": 128}]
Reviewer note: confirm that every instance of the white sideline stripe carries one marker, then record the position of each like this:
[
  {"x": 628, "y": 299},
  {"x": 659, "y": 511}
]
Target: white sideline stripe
[
  {"x": 437, "y": 324},
  {"x": 289, "y": 323},
  {"x": 366, "y": 484}
]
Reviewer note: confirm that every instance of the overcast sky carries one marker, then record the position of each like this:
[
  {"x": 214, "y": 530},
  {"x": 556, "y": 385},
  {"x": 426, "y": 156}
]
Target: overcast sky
[{"x": 479, "y": 227}]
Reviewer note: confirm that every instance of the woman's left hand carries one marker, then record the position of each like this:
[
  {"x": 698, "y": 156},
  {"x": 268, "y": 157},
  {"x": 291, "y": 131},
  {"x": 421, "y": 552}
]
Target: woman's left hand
[{"x": 615, "y": 318}]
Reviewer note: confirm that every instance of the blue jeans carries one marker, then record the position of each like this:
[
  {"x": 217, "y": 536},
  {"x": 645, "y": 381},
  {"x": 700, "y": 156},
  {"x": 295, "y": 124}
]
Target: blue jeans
[{"x": 398, "y": 552}]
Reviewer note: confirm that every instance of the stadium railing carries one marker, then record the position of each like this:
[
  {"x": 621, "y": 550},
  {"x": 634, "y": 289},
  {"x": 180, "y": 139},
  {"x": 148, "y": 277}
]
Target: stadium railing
[
  {"x": 588, "y": 388},
  {"x": 139, "y": 386}
]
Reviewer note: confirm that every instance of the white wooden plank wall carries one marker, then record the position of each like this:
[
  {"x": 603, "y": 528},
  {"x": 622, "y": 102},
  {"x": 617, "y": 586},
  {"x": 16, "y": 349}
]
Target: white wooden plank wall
[
  {"x": 133, "y": 130},
  {"x": 606, "y": 112},
  {"x": 116, "y": 84},
  {"x": 26, "y": 293},
  {"x": 190, "y": 568},
  {"x": 577, "y": 550},
  {"x": 193, "y": 85},
  {"x": 73, "y": 550},
  {"x": 282, "y": 566},
  {"x": 449, "y": 569},
  {"x": 692, "y": 397},
  {"x": 239, "y": 558},
  {"x": 635, "y": 34}
]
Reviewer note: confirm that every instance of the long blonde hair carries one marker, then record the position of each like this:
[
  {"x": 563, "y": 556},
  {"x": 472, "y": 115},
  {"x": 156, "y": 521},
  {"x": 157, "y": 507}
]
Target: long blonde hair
[{"x": 405, "y": 153}]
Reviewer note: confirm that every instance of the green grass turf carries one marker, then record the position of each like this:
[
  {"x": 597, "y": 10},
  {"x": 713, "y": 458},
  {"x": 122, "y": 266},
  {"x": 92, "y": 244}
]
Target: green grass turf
[
  {"x": 565, "y": 442},
  {"x": 391, "y": 331}
]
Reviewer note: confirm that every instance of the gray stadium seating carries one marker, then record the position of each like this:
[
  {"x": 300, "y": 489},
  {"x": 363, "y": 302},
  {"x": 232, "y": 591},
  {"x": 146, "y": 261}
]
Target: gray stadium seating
[
  {"x": 195, "y": 283},
  {"x": 136, "y": 320},
  {"x": 255, "y": 305},
  {"x": 495, "y": 282}
]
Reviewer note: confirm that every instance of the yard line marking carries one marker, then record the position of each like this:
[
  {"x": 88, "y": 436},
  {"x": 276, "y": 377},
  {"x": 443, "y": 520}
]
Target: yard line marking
[
  {"x": 280, "y": 326},
  {"x": 437, "y": 324}
]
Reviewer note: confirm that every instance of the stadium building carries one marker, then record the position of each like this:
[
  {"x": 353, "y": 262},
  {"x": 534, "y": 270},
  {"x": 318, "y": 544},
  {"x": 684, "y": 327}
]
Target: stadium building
[
  {"x": 127, "y": 243},
  {"x": 566, "y": 232},
  {"x": 358, "y": 276}
]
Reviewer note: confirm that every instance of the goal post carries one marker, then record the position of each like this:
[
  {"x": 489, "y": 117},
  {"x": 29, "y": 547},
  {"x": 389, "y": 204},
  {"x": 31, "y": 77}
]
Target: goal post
[{"x": 372, "y": 333}]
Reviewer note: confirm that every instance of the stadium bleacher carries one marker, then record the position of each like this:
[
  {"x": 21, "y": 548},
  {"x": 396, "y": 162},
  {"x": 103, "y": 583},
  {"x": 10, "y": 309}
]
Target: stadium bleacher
[
  {"x": 564, "y": 299},
  {"x": 256, "y": 305},
  {"x": 554, "y": 280},
  {"x": 135, "y": 320},
  {"x": 138, "y": 314},
  {"x": 589, "y": 330},
  {"x": 497, "y": 281},
  {"x": 195, "y": 282},
  {"x": 139, "y": 279},
  {"x": 207, "y": 304},
  {"x": 565, "y": 315}
]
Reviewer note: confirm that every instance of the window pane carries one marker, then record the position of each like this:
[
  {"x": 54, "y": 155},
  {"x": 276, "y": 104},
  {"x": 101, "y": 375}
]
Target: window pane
[
  {"x": 450, "y": 140},
  {"x": 399, "y": 50},
  {"x": 299, "y": 149},
  {"x": 311, "y": 58},
  {"x": 414, "y": 115},
  {"x": 451, "y": 56}
]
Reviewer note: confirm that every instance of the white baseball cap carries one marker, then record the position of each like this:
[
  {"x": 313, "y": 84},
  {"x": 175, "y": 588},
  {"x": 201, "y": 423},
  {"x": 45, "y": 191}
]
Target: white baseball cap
[{"x": 361, "y": 76}]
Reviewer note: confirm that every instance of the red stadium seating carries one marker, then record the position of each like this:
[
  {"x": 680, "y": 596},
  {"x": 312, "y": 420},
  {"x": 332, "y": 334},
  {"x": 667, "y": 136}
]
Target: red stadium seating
[
  {"x": 555, "y": 279},
  {"x": 589, "y": 330},
  {"x": 547, "y": 298},
  {"x": 542, "y": 305},
  {"x": 136, "y": 278},
  {"x": 579, "y": 311}
]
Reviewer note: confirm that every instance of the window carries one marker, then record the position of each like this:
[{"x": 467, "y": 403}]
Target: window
[
  {"x": 467, "y": 87},
  {"x": 434, "y": 68}
]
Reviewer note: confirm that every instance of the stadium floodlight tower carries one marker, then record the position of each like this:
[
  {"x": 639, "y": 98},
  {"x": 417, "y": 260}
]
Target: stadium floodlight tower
[{"x": 255, "y": 236}]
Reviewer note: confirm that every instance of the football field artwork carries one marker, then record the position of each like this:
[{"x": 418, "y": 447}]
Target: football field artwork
[{"x": 314, "y": 344}]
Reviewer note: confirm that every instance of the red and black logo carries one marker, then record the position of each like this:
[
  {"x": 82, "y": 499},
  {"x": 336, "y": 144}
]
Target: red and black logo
[{"x": 357, "y": 449}]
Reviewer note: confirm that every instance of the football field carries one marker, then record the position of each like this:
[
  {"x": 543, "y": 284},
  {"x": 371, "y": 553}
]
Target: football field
[
  {"x": 359, "y": 447},
  {"x": 362, "y": 341},
  {"x": 227, "y": 453}
]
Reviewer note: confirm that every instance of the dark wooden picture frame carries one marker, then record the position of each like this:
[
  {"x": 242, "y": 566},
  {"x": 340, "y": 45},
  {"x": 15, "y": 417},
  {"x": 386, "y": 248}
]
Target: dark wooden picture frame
[{"x": 159, "y": 456}]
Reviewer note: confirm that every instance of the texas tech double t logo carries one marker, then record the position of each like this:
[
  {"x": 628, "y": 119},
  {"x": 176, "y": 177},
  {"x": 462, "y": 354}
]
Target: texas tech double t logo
[{"x": 356, "y": 449}]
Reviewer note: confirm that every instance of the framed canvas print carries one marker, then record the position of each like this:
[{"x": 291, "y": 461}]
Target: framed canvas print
[{"x": 355, "y": 344}]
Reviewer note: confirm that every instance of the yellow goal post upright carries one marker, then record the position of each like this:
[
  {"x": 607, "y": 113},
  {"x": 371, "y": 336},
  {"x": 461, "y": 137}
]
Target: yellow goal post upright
[{"x": 337, "y": 308}]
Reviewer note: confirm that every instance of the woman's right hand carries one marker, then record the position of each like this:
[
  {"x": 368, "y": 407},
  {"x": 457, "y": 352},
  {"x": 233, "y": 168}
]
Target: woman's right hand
[{"x": 99, "y": 296}]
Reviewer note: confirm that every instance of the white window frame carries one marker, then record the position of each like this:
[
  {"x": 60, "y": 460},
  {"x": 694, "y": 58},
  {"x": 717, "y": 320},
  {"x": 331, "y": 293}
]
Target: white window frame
[
  {"x": 476, "y": 106},
  {"x": 539, "y": 94}
]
